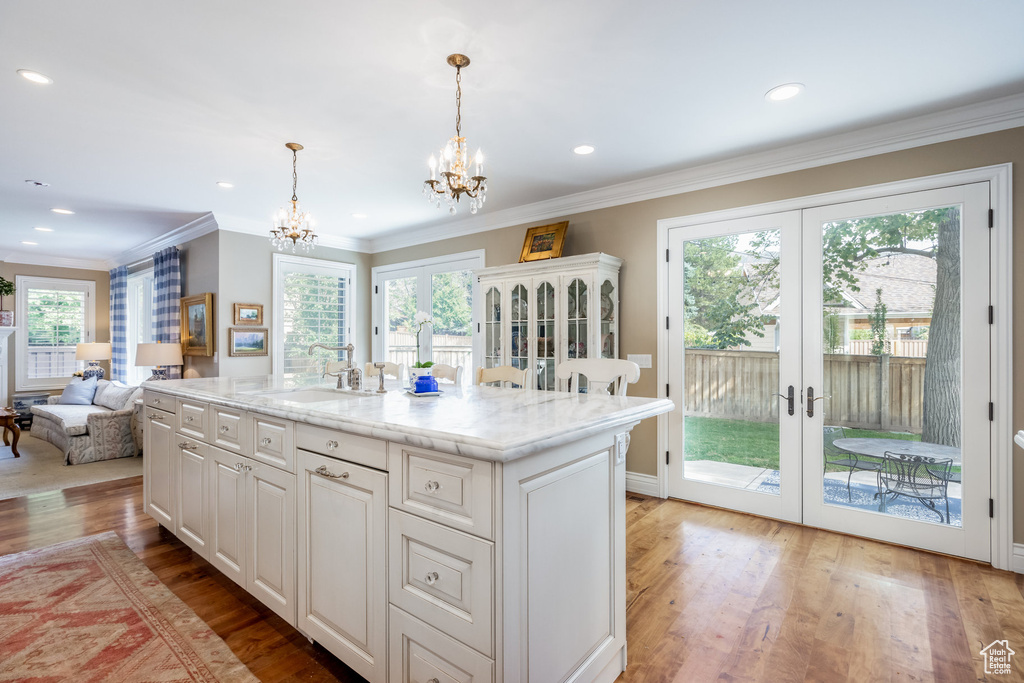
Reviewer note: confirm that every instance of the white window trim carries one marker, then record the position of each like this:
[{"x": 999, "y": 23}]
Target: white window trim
[
  {"x": 23, "y": 283},
  {"x": 311, "y": 265},
  {"x": 466, "y": 260},
  {"x": 134, "y": 374}
]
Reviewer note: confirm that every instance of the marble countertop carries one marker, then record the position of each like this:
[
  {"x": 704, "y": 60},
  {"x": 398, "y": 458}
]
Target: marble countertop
[{"x": 483, "y": 422}]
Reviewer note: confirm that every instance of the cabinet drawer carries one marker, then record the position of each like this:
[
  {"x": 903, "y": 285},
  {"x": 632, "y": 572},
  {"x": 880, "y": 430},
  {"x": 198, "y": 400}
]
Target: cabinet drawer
[
  {"x": 231, "y": 429},
  {"x": 420, "y": 653},
  {"x": 274, "y": 442},
  {"x": 160, "y": 401},
  {"x": 193, "y": 418},
  {"x": 449, "y": 489},
  {"x": 334, "y": 444},
  {"x": 444, "y": 577}
]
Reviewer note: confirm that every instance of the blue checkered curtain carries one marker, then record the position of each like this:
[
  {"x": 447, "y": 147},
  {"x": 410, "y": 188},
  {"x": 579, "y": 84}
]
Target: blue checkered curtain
[
  {"x": 167, "y": 301},
  {"x": 119, "y": 323}
]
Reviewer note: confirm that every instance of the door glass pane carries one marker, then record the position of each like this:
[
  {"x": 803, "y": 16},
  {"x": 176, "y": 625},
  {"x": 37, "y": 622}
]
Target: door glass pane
[
  {"x": 892, "y": 365},
  {"x": 400, "y": 310},
  {"x": 577, "y": 324},
  {"x": 452, "y": 315},
  {"x": 519, "y": 352},
  {"x": 731, "y": 361},
  {"x": 546, "y": 336},
  {"x": 492, "y": 328},
  {"x": 608, "y": 313}
]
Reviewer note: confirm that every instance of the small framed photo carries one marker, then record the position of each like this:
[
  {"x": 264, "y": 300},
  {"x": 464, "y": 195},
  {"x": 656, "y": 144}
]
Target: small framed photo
[
  {"x": 197, "y": 325},
  {"x": 248, "y": 314},
  {"x": 544, "y": 242},
  {"x": 248, "y": 342}
]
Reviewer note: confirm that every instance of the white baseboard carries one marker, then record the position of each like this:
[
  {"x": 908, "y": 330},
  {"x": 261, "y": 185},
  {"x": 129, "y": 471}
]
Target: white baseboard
[
  {"x": 1018, "y": 548},
  {"x": 647, "y": 484}
]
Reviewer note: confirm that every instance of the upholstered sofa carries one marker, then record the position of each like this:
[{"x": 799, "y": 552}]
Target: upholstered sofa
[{"x": 104, "y": 430}]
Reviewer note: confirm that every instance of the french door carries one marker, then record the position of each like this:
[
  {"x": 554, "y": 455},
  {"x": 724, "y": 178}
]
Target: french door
[{"x": 875, "y": 312}]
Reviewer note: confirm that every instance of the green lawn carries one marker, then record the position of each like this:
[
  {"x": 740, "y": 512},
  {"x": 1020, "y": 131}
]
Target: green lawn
[{"x": 751, "y": 443}]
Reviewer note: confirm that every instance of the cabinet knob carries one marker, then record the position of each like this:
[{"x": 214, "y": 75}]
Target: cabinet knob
[
  {"x": 331, "y": 445},
  {"x": 432, "y": 486},
  {"x": 185, "y": 445},
  {"x": 266, "y": 441},
  {"x": 434, "y": 680},
  {"x": 224, "y": 429},
  {"x": 324, "y": 472},
  {"x": 431, "y": 578},
  {"x": 238, "y": 466},
  {"x": 189, "y": 418},
  {"x": 157, "y": 401}
]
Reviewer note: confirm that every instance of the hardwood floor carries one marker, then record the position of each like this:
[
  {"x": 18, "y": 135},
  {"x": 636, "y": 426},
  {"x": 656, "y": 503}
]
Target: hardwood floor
[{"x": 712, "y": 595}]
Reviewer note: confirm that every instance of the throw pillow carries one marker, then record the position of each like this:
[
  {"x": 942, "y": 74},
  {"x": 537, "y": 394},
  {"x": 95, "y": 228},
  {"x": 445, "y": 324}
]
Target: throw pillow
[
  {"x": 114, "y": 396},
  {"x": 101, "y": 386},
  {"x": 79, "y": 392}
]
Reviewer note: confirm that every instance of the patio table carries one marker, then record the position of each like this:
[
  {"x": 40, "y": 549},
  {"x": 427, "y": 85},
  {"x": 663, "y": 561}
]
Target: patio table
[{"x": 878, "y": 447}]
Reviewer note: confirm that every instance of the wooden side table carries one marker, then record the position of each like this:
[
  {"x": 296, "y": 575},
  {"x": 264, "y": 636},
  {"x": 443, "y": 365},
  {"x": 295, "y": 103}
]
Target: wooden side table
[{"x": 7, "y": 420}]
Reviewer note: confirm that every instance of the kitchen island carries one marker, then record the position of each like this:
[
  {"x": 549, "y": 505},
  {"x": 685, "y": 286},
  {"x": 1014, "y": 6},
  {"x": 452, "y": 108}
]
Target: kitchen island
[{"x": 474, "y": 536}]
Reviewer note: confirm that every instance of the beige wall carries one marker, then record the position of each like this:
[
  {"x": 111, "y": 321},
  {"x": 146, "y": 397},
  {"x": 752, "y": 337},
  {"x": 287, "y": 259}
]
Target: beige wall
[
  {"x": 199, "y": 274},
  {"x": 102, "y": 305},
  {"x": 630, "y": 232}
]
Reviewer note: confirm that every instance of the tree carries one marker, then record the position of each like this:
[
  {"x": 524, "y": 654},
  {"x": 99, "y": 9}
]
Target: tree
[
  {"x": 452, "y": 294},
  {"x": 878, "y": 317}
]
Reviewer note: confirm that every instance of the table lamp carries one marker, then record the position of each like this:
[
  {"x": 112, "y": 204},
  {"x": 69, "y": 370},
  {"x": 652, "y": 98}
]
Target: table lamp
[
  {"x": 93, "y": 352},
  {"x": 159, "y": 356}
]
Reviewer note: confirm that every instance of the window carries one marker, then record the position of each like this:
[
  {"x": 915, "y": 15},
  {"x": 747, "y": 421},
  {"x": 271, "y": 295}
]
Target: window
[
  {"x": 443, "y": 288},
  {"x": 56, "y": 316},
  {"x": 140, "y": 321},
  {"x": 314, "y": 301}
]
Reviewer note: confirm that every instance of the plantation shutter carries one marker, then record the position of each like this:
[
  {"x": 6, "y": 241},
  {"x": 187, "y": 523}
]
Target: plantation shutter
[
  {"x": 315, "y": 309},
  {"x": 56, "y": 321}
]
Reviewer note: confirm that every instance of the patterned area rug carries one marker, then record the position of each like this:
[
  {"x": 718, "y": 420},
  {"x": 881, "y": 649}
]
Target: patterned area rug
[{"x": 89, "y": 610}]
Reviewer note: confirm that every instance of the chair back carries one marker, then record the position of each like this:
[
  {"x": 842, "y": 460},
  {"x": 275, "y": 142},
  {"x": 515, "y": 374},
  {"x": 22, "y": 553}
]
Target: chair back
[
  {"x": 916, "y": 476},
  {"x": 395, "y": 370},
  {"x": 449, "y": 373},
  {"x": 831, "y": 434},
  {"x": 601, "y": 374},
  {"x": 503, "y": 374}
]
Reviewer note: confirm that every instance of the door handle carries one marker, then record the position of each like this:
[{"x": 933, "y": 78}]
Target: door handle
[
  {"x": 790, "y": 398},
  {"x": 811, "y": 399}
]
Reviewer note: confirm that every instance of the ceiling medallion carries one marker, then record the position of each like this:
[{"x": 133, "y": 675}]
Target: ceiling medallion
[
  {"x": 293, "y": 228},
  {"x": 453, "y": 165}
]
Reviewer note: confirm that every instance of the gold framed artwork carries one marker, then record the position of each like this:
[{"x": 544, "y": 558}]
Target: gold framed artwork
[
  {"x": 248, "y": 314},
  {"x": 246, "y": 341},
  {"x": 544, "y": 242},
  {"x": 197, "y": 325}
]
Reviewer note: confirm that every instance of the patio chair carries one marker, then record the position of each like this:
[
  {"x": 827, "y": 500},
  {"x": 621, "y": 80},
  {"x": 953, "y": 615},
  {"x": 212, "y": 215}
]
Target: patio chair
[
  {"x": 833, "y": 455},
  {"x": 915, "y": 476}
]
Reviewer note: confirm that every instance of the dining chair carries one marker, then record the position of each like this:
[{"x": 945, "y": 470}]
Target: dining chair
[
  {"x": 601, "y": 374},
  {"x": 450, "y": 373},
  {"x": 395, "y": 370},
  {"x": 837, "y": 457},
  {"x": 519, "y": 379},
  {"x": 915, "y": 476}
]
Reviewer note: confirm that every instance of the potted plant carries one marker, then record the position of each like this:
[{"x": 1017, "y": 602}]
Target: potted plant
[
  {"x": 420, "y": 368},
  {"x": 6, "y": 289}
]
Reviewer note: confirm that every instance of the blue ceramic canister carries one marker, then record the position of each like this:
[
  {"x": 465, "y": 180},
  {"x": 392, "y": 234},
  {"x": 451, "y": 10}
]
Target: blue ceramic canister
[{"x": 425, "y": 384}]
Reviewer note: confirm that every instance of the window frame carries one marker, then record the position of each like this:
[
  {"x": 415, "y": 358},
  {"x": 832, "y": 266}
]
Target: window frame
[
  {"x": 286, "y": 263},
  {"x": 25, "y": 282},
  {"x": 133, "y": 374}
]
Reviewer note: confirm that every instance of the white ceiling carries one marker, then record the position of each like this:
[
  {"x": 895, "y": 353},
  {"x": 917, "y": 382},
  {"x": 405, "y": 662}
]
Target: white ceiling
[{"x": 154, "y": 102}]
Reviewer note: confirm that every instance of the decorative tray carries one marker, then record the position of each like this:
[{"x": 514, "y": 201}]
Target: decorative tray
[{"x": 423, "y": 393}]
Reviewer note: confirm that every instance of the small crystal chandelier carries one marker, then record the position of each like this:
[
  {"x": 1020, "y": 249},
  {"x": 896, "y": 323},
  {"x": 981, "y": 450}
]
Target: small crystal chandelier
[
  {"x": 293, "y": 228},
  {"x": 453, "y": 165}
]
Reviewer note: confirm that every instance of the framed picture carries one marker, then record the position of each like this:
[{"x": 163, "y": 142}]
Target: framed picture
[
  {"x": 248, "y": 314},
  {"x": 248, "y": 342},
  {"x": 543, "y": 242},
  {"x": 197, "y": 325}
]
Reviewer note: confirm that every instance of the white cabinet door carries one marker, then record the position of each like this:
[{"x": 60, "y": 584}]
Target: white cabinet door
[
  {"x": 227, "y": 514},
  {"x": 159, "y": 467},
  {"x": 342, "y": 561},
  {"x": 193, "y": 503},
  {"x": 271, "y": 536}
]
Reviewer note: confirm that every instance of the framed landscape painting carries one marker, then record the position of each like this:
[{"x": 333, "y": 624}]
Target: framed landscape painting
[
  {"x": 544, "y": 242},
  {"x": 248, "y": 314},
  {"x": 248, "y": 342},
  {"x": 197, "y": 325}
]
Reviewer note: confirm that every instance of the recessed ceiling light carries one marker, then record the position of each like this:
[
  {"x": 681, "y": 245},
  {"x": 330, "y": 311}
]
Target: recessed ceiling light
[
  {"x": 583, "y": 149},
  {"x": 63, "y": 212},
  {"x": 35, "y": 76},
  {"x": 359, "y": 215},
  {"x": 784, "y": 92},
  {"x": 42, "y": 229},
  {"x": 31, "y": 244},
  {"x": 225, "y": 184}
]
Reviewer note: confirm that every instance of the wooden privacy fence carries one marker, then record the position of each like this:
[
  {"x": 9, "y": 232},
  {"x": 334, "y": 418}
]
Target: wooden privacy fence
[
  {"x": 913, "y": 348},
  {"x": 448, "y": 348},
  {"x": 740, "y": 385}
]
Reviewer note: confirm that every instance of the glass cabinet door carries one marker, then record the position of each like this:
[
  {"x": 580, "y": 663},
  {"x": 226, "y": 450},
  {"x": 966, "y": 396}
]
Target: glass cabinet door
[
  {"x": 519, "y": 351},
  {"x": 608, "y": 314},
  {"x": 492, "y": 328},
  {"x": 545, "y": 314},
  {"x": 576, "y": 316}
]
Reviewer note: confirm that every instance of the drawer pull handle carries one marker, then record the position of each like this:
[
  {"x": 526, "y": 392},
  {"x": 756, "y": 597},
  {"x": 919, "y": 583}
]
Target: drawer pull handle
[
  {"x": 157, "y": 401},
  {"x": 434, "y": 680},
  {"x": 266, "y": 441},
  {"x": 224, "y": 429},
  {"x": 432, "y": 486},
  {"x": 188, "y": 446},
  {"x": 156, "y": 417},
  {"x": 331, "y": 445},
  {"x": 432, "y": 578},
  {"x": 324, "y": 472}
]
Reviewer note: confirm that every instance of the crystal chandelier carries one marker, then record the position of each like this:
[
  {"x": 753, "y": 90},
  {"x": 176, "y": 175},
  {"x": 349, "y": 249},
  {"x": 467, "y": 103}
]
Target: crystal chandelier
[
  {"x": 453, "y": 165},
  {"x": 293, "y": 228}
]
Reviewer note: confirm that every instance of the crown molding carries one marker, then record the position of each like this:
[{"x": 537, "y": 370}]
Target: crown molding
[
  {"x": 29, "y": 258},
  {"x": 951, "y": 124},
  {"x": 203, "y": 225},
  {"x": 331, "y": 241}
]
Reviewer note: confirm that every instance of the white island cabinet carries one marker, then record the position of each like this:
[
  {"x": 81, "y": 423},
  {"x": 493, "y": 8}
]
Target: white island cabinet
[{"x": 417, "y": 539}]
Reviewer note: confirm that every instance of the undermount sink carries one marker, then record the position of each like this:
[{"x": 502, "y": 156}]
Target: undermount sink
[{"x": 313, "y": 394}]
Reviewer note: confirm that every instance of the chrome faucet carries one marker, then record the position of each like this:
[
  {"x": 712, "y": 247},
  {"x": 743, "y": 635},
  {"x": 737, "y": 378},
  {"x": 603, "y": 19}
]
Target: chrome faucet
[{"x": 349, "y": 375}]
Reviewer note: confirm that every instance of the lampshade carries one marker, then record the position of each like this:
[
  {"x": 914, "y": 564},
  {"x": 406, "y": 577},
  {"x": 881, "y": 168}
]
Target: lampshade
[
  {"x": 93, "y": 351},
  {"x": 158, "y": 354}
]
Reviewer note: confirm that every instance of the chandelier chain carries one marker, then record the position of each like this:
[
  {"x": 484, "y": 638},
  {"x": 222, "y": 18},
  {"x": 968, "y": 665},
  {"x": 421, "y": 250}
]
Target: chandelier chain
[
  {"x": 295, "y": 176},
  {"x": 458, "y": 102}
]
